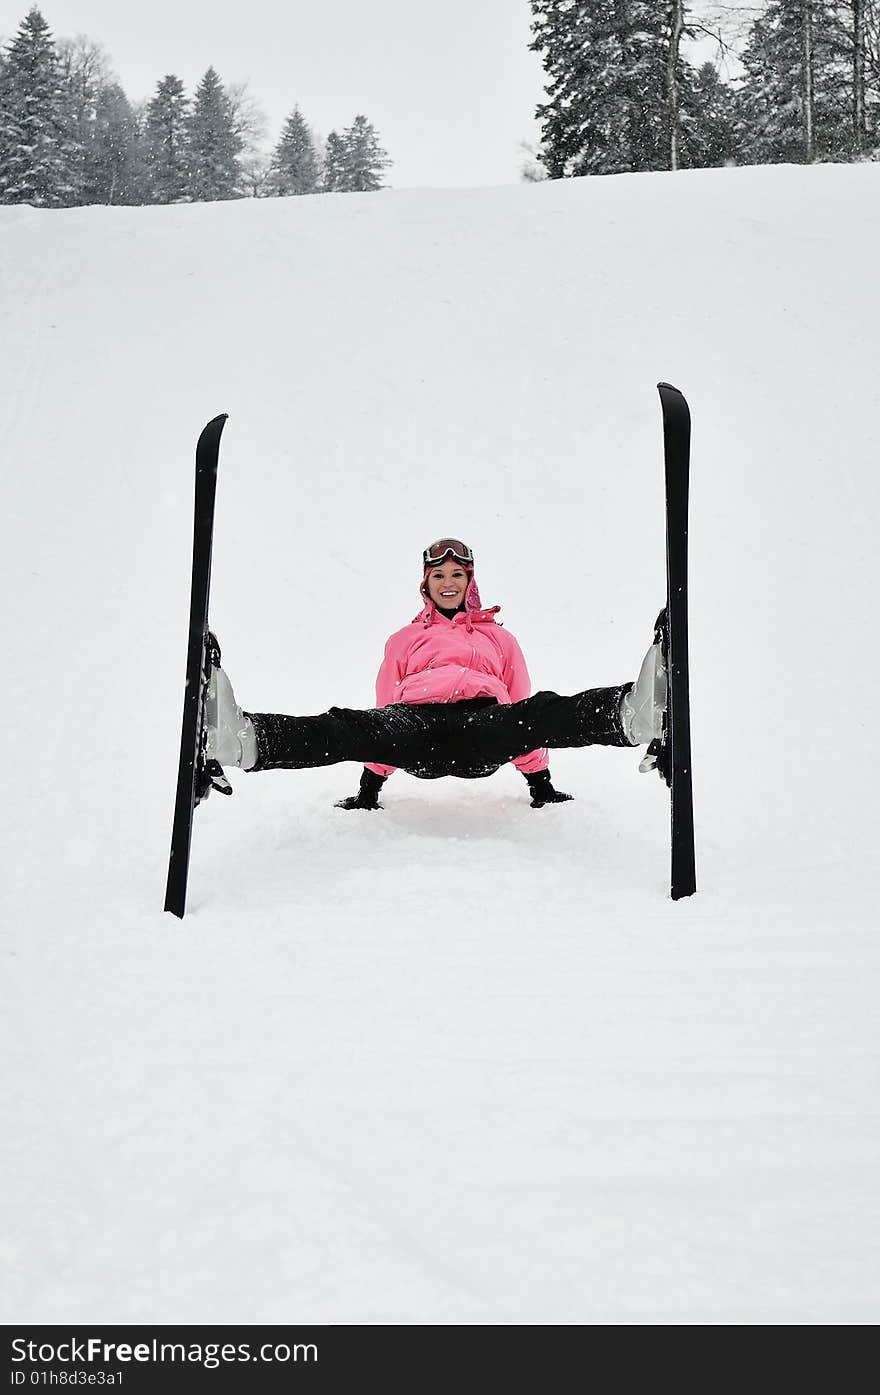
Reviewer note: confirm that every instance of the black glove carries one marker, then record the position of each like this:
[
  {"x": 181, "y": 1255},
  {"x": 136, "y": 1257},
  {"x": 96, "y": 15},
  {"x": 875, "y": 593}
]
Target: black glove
[
  {"x": 542, "y": 791},
  {"x": 367, "y": 796}
]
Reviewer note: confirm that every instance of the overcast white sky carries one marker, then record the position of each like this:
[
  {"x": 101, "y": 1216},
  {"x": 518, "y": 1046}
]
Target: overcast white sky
[{"x": 450, "y": 86}]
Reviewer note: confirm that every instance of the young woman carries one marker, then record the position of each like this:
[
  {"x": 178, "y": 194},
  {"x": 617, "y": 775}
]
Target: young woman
[{"x": 452, "y": 698}]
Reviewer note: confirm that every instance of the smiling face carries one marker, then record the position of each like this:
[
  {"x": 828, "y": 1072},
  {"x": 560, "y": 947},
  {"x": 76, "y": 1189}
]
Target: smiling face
[{"x": 447, "y": 584}]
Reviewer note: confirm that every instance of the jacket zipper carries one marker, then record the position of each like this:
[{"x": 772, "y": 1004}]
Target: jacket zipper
[{"x": 463, "y": 672}]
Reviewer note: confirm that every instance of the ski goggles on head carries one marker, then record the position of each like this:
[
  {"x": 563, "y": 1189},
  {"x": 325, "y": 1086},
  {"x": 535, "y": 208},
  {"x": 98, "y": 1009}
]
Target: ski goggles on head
[{"x": 448, "y": 547}]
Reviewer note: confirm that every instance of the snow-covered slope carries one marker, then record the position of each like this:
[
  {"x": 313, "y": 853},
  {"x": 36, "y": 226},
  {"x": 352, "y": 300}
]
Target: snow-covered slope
[{"x": 461, "y": 1061}]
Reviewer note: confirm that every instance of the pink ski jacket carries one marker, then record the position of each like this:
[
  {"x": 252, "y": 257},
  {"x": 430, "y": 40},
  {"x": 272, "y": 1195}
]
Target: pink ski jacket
[{"x": 435, "y": 659}]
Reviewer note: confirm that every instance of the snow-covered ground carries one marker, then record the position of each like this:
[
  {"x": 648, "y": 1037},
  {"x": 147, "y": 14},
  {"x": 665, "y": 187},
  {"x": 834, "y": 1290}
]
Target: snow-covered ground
[{"x": 460, "y": 1061}]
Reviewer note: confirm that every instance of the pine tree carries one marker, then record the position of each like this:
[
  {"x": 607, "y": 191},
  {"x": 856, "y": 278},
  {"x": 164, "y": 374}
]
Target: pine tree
[
  {"x": 710, "y": 121},
  {"x": 872, "y": 78},
  {"x": 167, "y": 152},
  {"x": 858, "y": 24},
  {"x": 608, "y": 82},
  {"x": 795, "y": 100},
  {"x": 116, "y": 173},
  {"x": 104, "y": 125},
  {"x": 334, "y": 159},
  {"x": 295, "y": 162},
  {"x": 39, "y": 158},
  {"x": 83, "y": 67},
  {"x": 214, "y": 145},
  {"x": 363, "y": 160},
  {"x": 872, "y": 46}
]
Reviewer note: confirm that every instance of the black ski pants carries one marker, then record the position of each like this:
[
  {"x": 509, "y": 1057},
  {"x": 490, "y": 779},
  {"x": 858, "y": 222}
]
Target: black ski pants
[{"x": 468, "y": 739}]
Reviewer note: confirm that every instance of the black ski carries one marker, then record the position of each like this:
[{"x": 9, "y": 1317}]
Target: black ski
[
  {"x": 194, "y": 777},
  {"x": 675, "y": 759}
]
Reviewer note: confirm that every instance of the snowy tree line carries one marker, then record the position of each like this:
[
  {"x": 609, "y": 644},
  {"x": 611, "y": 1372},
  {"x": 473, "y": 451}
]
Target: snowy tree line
[
  {"x": 70, "y": 136},
  {"x": 622, "y": 95}
]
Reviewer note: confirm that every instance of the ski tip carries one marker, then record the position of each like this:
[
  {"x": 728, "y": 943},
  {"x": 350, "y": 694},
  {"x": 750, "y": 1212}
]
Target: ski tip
[
  {"x": 673, "y": 402},
  {"x": 214, "y": 427}
]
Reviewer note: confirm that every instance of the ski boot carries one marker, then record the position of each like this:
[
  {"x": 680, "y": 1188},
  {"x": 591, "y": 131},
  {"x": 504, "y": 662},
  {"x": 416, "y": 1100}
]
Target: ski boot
[
  {"x": 643, "y": 707},
  {"x": 229, "y": 736}
]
